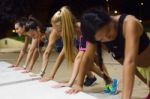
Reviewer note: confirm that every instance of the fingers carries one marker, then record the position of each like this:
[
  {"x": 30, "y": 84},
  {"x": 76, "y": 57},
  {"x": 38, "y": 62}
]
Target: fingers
[
  {"x": 59, "y": 85},
  {"x": 18, "y": 68},
  {"x": 72, "y": 91},
  {"x": 26, "y": 71},
  {"x": 33, "y": 75},
  {"x": 56, "y": 86},
  {"x": 45, "y": 79},
  {"x": 12, "y": 66}
]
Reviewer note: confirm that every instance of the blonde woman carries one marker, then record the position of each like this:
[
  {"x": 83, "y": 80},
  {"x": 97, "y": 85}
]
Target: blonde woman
[{"x": 65, "y": 26}]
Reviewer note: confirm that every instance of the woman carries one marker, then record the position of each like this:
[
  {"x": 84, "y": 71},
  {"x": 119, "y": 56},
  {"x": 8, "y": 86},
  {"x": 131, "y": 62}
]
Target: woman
[
  {"x": 64, "y": 26},
  {"x": 20, "y": 29},
  {"x": 32, "y": 28},
  {"x": 124, "y": 38},
  {"x": 69, "y": 29}
]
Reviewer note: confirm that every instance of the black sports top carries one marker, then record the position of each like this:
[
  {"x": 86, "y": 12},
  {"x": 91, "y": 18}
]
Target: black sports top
[{"x": 117, "y": 46}]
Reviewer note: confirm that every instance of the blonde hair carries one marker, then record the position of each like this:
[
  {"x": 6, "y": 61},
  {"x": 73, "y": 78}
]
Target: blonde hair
[
  {"x": 67, "y": 21},
  {"x": 56, "y": 18}
]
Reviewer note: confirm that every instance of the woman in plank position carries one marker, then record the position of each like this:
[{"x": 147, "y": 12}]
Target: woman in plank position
[
  {"x": 33, "y": 51},
  {"x": 125, "y": 40}
]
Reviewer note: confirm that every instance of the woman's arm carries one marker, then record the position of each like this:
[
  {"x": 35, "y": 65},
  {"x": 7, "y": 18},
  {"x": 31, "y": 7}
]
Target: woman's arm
[
  {"x": 77, "y": 62},
  {"x": 33, "y": 46},
  {"x": 132, "y": 36},
  {"x": 52, "y": 39},
  {"x": 74, "y": 72},
  {"x": 56, "y": 65},
  {"x": 22, "y": 52},
  {"x": 87, "y": 57}
]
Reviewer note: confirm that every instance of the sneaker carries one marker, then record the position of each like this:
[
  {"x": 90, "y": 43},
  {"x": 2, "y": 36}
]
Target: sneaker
[
  {"x": 107, "y": 89},
  {"x": 114, "y": 86},
  {"x": 89, "y": 81}
]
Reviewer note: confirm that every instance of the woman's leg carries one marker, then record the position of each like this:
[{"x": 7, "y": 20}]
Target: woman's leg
[
  {"x": 103, "y": 74},
  {"x": 90, "y": 74}
]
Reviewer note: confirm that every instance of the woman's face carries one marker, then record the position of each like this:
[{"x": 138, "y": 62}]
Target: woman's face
[
  {"x": 19, "y": 30},
  {"x": 33, "y": 34},
  {"x": 104, "y": 34},
  {"x": 58, "y": 28}
]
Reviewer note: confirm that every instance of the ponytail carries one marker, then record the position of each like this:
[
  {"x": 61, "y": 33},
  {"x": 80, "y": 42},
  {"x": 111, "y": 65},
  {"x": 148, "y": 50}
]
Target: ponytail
[{"x": 68, "y": 25}]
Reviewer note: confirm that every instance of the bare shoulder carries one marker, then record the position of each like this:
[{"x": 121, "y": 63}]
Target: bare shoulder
[
  {"x": 130, "y": 19},
  {"x": 131, "y": 23}
]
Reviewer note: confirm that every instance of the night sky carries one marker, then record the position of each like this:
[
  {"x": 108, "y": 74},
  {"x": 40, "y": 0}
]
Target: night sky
[{"x": 10, "y": 10}]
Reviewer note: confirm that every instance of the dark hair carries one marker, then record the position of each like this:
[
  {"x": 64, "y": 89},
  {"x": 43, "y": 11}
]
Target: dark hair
[
  {"x": 91, "y": 21},
  {"x": 33, "y": 23},
  {"x": 21, "y": 21}
]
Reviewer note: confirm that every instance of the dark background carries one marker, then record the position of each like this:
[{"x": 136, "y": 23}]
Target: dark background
[{"x": 43, "y": 10}]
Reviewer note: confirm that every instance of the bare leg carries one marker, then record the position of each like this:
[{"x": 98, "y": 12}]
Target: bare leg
[
  {"x": 89, "y": 74},
  {"x": 103, "y": 74}
]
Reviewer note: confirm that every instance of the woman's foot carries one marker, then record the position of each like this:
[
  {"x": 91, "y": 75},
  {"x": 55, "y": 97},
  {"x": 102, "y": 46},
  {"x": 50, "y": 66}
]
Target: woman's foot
[{"x": 111, "y": 88}]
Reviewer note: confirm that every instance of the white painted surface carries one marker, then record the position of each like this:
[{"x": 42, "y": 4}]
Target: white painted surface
[
  {"x": 8, "y": 75},
  {"x": 15, "y": 85}
]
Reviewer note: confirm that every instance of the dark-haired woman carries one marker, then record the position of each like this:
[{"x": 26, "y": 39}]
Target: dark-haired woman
[
  {"x": 20, "y": 30},
  {"x": 35, "y": 46},
  {"x": 124, "y": 38},
  {"x": 37, "y": 32}
]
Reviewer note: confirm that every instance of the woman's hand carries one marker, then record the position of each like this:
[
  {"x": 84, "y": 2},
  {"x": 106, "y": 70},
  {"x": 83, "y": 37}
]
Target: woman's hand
[
  {"x": 59, "y": 85},
  {"x": 75, "y": 89},
  {"x": 19, "y": 68},
  {"x": 46, "y": 78},
  {"x": 12, "y": 66}
]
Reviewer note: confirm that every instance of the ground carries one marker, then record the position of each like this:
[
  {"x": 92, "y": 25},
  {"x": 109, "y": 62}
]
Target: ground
[{"x": 115, "y": 70}]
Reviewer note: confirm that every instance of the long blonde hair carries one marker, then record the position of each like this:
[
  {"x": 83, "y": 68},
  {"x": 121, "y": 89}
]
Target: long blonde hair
[{"x": 68, "y": 23}]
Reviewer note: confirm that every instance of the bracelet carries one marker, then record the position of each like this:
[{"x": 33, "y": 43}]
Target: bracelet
[
  {"x": 24, "y": 66},
  {"x": 42, "y": 73}
]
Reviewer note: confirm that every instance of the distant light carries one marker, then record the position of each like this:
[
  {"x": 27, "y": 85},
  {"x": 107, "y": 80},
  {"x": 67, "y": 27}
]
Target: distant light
[
  {"x": 142, "y": 3},
  {"x": 140, "y": 20},
  {"x": 13, "y": 31},
  {"x": 107, "y": 0},
  {"x": 115, "y": 11}
]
